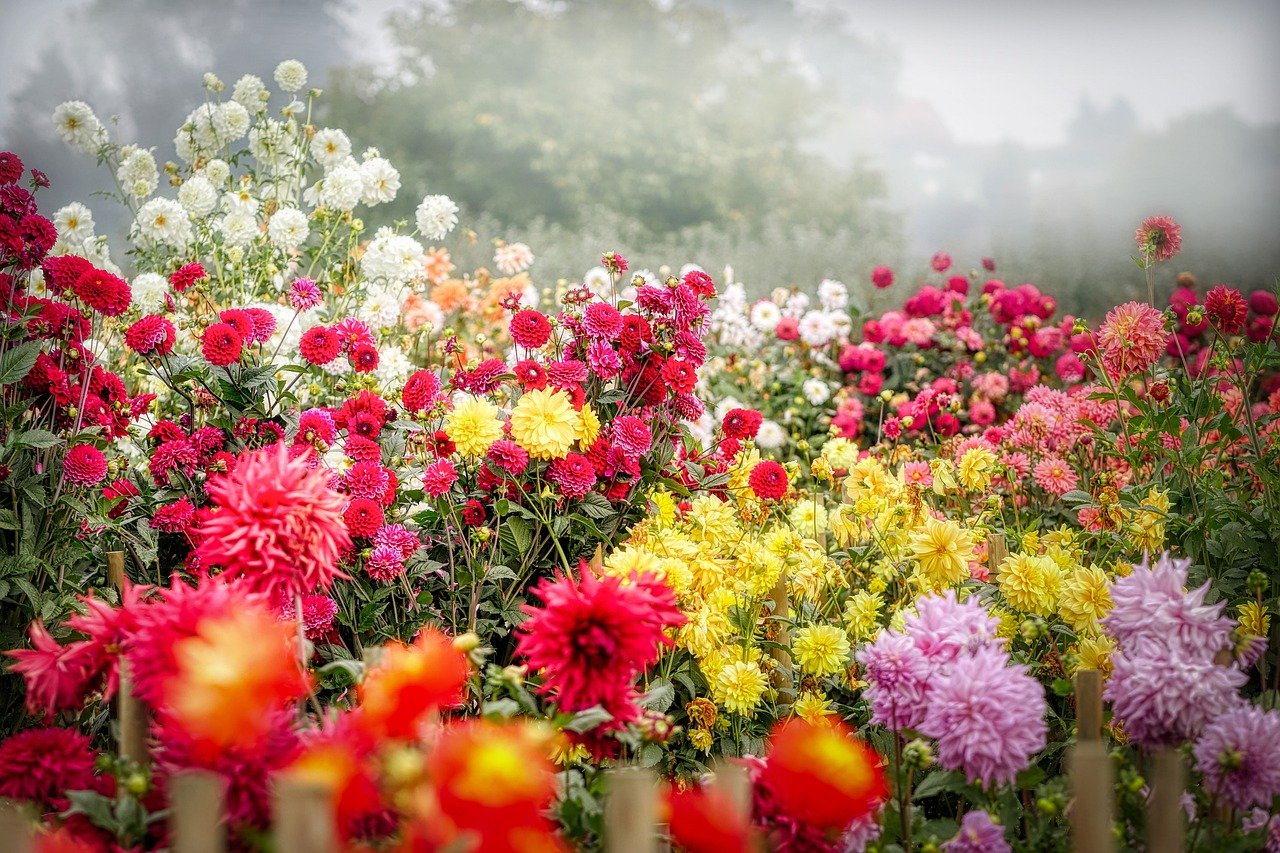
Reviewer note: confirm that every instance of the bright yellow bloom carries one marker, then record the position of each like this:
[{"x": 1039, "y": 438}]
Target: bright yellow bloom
[
  {"x": 1009, "y": 623},
  {"x": 588, "y": 426},
  {"x": 545, "y": 423},
  {"x": 813, "y": 708},
  {"x": 1031, "y": 583},
  {"x": 861, "y": 613},
  {"x": 1086, "y": 598},
  {"x": 840, "y": 453},
  {"x": 820, "y": 649},
  {"x": 739, "y": 686},
  {"x": 626, "y": 561},
  {"x": 1094, "y": 652},
  {"x": 942, "y": 550},
  {"x": 1254, "y": 619},
  {"x": 664, "y": 507},
  {"x": 808, "y": 517},
  {"x": 473, "y": 425},
  {"x": 976, "y": 468}
]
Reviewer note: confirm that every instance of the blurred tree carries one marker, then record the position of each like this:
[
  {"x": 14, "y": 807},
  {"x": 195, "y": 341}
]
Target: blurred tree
[{"x": 656, "y": 111}]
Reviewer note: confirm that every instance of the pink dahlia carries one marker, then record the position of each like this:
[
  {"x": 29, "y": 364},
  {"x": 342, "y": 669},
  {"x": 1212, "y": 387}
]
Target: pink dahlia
[
  {"x": 602, "y": 320},
  {"x": 41, "y": 765},
  {"x": 385, "y": 563},
  {"x": 1055, "y": 476},
  {"x": 177, "y": 517},
  {"x": 882, "y": 277},
  {"x": 943, "y": 628},
  {"x": 1158, "y": 238},
  {"x": 530, "y": 328},
  {"x": 84, "y": 465},
  {"x": 1167, "y": 694},
  {"x": 277, "y": 524},
  {"x": 304, "y": 295},
  {"x": 152, "y": 333},
  {"x": 631, "y": 434},
  {"x": 978, "y": 834},
  {"x": 509, "y": 456},
  {"x": 1131, "y": 339},
  {"x": 399, "y": 537},
  {"x": 897, "y": 674},
  {"x": 1227, "y": 309},
  {"x": 987, "y": 716},
  {"x": 439, "y": 477},
  {"x": 1152, "y": 603},
  {"x": 574, "y": 474}
]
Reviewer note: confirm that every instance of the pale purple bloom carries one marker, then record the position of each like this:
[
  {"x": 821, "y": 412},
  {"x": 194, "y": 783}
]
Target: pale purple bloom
[
  {"x": 942, "y": 627},
  {"x": 1152, "y": 601},
  {"x": 1239, "y": 756},
  {"x": 987, "y": 716},
  {"x": 861, "y": 832},
  {"x": 897, "y": 673},
  {"x": 978, "y": 834},
  {"x": 1167, "y": 695}
]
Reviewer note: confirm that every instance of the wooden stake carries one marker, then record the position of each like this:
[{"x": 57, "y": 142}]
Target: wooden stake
[
  {"x": 1166, "y": 819},
  {"x": 196, "y": 800},
  {"x": 15, "y": 830},
  {"x": 1092, "y": 789},
  {"x": 372, "y": 657},
  {"x": 997, "y": 551},
  {"x": 130, "y": 712},
  {"x": 115, "y": 570},
  {"x": 302, "y": 817},
  {"x": 734, "y": 782},
  {"x": 631, "y": 811},
  {"x": 1088, "y": 683},
  {"x": 781, "y": 611}
]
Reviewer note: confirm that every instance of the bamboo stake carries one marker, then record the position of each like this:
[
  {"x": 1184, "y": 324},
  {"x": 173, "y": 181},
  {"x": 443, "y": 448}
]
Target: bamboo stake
[
  {"x": 1166, "y": 819},
  {"x": 631, "y": 811},
  {"x": 372, "y": 657},
  {"x": 1092, "y": 788},
  {"x": 196, "y": 800},
  {"x": 15, "y": 830},
  {"x": 1088, "y": 684},
  {"x": 302, "y": 817},
  {"x": 130, "y": 712},
  {"x": 997, "y": 552},
  {"x": 781, "y": 611},
  {"x": 734, "y": 782}
]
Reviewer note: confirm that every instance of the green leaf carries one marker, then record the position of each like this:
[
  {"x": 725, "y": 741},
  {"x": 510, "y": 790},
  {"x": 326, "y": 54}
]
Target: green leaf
[
  {"x": 585, "y": 721},
  {"x": 353, "y": 669},
  {"x": 39, "y": 438},
  {"x": 94, "y": 806},
  {"x": 500, "y": 709},
  {"x": 661, "y": 694},
  {"x": 938, "y": 782},
  {"x": 17, "y": 362}
]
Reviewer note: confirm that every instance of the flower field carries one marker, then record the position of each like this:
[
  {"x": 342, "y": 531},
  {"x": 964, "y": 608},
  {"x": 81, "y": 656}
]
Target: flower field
[{"x": 296, "y": 513}]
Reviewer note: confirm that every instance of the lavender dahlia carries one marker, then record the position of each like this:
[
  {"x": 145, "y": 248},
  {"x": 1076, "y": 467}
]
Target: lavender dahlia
[
  {"x": 1239, "y": 756},
  {"x": 978, "y": 834}
]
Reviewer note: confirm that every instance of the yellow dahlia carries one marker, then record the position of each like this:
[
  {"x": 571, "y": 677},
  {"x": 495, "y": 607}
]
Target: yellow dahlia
[
  {"x": 942, "y": 550},
  {"x": 588, "y": 426},
  {"x": 976, "y": 468},
  {"x": 1031, "y": 583},
  {"x": 739, "y": 686},
  {"x": 862, "y": 613},
  {"x": 473, "y": 425},
  {"x": 1086, "y": 598},
  {"x": 545, "y": 423},
  {"x": 821, "y": 649},
  {"x": 813, "y": 708}
]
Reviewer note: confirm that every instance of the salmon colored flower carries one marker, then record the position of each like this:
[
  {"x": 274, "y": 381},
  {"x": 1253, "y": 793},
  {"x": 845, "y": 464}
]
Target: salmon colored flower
[
  {"x": 822, "y": 775},
  {"x": 411, "y": 683}
]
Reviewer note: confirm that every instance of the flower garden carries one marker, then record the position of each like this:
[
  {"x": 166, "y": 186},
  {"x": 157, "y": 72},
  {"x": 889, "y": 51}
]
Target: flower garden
[{"x": 314, "y": 541}]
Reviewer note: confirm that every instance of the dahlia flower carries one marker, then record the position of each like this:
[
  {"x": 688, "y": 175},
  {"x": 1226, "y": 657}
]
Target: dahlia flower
[
  {"x": 410, "y": 683},
  {"x": 978, "y": 834},
  {"x": 1167, "y": 694},
  {"x": 1132, "y": 338},
  {"x": 768, "y": 480},
  {"x": 84, "y": 465},
  {"x": 473, "y": 425},
  {"x": 41, "y": 765},
  {"x": 1151, "y": 602},
  {"x": 897, "y": 674},
  {"x": 823, "y": 776},
  {"x": 942, "y": 549},
  {"x": 821, "y": 649},
  {"x": 1239, "y": 756},
  {"x": 987, "y": 716},
  {"x": 545, "y": 423},
  {"x": 276, "y": 523},
  {"x": 1158, "y": 238}
]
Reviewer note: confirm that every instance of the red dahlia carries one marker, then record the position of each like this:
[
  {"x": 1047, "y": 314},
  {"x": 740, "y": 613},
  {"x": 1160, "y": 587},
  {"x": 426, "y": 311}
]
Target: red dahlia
[
  {"x": 103, "y": 292},
  {"x": 530, "y": 329},
  {"x": 742, "y": 424},
  {"x": 319, "y": 345},
  {"x": 768, "y": 480},
  {"x": 186, "y": 276},
  {"x": 1226, "y": 309},
  {"x": 152, "y": 333},
  {"x": 680, "y": 375},
  {"x": 574, "y": 475},
  {"x": 221, "y": 345},
  {"x": 84, "y": 465},
  {"x": 420, "y": 391},
  {"x": 363, "y": 358}
]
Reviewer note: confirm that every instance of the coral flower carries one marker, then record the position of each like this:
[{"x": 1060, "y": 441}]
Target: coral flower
[
  {"x": 822, "y": 775},
  {"x": 231, "y": 675},
  {"x": 1132, "y": 337},
  {"x": 410, "y": 684},
  {"x": 1158, "y": 238},
  {"x": 277, "y": 524},
  {"x": 545, "y": 423}
]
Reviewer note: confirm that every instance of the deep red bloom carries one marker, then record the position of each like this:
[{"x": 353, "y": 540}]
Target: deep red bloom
[
  {"x": 530, "y": 329},
  {"x": 63, "y": 271},
  {"x": 882, "y": 277},
  {"x": 319, "y": 345},
  {"x": 680, "y": 375},
  {"x": 635, "y": 331},
  {"x": 531, "y": 375},
  {"x": 573, "y": 474},
  {"x": 593, "y": 637},
  {"x": 177, "y": 517},
  {"x": 11, "y": 168},
  {"x": 420, "y": 391},
  {"x": 1264, "y": 302},
  {"x": 363, "y": 517},
  {"x": 187, "y": 275},
  {"x": 768, "y": 480},
  {"x": 473, "y": 513},
  {"x": 221, "y": 344},
  {"x": 152, "y": 333},
  {"x": 363, "y": 358},
  {"x": 742, "y": 424},
  {"x": 84, "y": 465},
  {"x": 1226, "y": 309},
  {"x": 238, "y": 320},
  {"x": 41, "y": 765},
  {"x": 103, "y": 292},
  {"x": 277, "y": 524},
  {"x": 602, "y": 320},
  {"x": 441, "y": 444}
]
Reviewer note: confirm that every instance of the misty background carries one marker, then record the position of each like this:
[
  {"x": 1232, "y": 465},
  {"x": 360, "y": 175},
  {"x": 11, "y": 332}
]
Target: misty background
[{"x": 792, "y": 139}]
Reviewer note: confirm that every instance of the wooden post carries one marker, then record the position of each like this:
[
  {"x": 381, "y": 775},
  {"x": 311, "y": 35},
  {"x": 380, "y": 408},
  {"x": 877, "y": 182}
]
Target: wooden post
[
  {"x": 1166, "y": 819},
  {"x": 372, "y": 657},
  {"x": 1088, "y": 684},
  {"x": 130, "y": 713},
  {"x": 1092, "y": 790},
  {"x": 997, "y": 551},
  {"x": 734, "y": 782},
  {"x": 302, "y": 817},
  {"x": 781, "y": 611},
  {"x": 196, "y": 802},
  {"x": 631, "y": 811},
  {"x": 15, "y": 829}
]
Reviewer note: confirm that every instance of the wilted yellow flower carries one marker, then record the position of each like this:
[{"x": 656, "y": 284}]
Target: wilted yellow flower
[
  {"x": 1254, "y": 619},
  {"x": 1031, "y": 583},
  {"x": 473, "y": 425},
  {"x": 813, "y": 708},
  {"x": 977, "y": 466},
  {"x": 739, "y": 686},
  {"x": 944, "y": 476},
  {"x": 701, "y": 739},
  {"x": 1086, "y": 598},
  {"x": 820, "y": 649},
  {"x": 861, "y": 613},
  {"x": 846, "y": 526},
  {"x": 942, "y": 550}
]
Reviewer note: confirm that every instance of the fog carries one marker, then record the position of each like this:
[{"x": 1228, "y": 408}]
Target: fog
[{"x": 793, "y": 140}]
